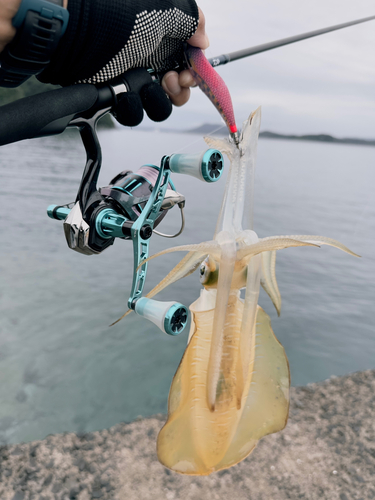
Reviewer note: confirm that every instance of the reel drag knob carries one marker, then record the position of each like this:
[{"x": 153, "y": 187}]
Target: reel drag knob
[
  {"x": 206, "y": 166},
  {"x": 170, "y": 317}
]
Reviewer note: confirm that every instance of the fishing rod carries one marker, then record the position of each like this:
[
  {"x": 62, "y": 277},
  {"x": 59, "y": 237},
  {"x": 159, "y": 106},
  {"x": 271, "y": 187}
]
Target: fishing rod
[
  {"x": 257, "y": 49},
  {"x": 206, "y": 79},
  {"x": 132, "y": 205}
]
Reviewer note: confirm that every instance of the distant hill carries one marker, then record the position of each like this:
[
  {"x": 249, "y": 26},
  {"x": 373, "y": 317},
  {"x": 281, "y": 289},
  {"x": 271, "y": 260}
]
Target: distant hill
[
  {"x": 33, "y": 86},
  {"x": 318, "y": 138},
  {"x": 209, "y": 128}
]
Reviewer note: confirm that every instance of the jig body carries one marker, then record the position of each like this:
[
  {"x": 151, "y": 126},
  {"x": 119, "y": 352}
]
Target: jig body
[{"x": 211, "y": 83}]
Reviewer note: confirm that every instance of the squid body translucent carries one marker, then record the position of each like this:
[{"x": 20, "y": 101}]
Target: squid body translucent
[{"x": 232, "y": 385}]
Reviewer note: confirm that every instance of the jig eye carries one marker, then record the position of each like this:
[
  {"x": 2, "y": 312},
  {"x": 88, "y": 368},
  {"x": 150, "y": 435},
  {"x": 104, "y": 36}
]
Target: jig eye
[{"x": 208, "y": 272}]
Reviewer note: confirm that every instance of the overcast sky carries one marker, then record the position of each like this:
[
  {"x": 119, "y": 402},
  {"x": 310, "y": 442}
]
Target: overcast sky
[{"x": 322, "y": 85}]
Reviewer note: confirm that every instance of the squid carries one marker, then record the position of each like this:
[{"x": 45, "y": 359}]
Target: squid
[{"x": 232, "y": 385}]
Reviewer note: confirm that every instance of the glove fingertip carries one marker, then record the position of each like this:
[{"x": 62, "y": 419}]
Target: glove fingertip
[
  {"x": 155, "y": 102},
  {"x": 129, "y": 109}
]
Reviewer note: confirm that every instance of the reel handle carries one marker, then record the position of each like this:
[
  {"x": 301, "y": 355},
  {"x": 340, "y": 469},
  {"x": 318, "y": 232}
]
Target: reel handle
[
  {"x": 206, "y": 166},
  {"x": 170, "y": 317}
]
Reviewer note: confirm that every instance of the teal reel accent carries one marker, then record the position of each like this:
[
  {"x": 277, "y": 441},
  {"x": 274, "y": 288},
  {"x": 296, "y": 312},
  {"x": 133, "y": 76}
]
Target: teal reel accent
[
  {"x": 140, "y": 242},
  {"x": 130, "y": 208},
  {"x": 57, "y": 212},
  {"x": 170, "y": 317},
  {"x": 108, "y": 223}
]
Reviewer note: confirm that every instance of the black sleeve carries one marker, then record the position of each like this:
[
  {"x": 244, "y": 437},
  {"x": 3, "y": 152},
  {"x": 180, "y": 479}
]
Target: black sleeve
[{"x": 104, "y": 38}]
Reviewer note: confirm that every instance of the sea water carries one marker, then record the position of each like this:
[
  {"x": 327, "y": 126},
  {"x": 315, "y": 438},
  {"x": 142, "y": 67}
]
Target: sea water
[{"x": 62, "y": 368}]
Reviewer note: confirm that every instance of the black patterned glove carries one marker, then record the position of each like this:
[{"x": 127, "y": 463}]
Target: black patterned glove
[{"x": 105, "y": 38}]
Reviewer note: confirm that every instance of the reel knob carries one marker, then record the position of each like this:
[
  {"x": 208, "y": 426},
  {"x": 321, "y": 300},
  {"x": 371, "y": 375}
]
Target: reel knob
[
  {"x": 170, "y": 317},
  {"x": 207, "y": 166}
]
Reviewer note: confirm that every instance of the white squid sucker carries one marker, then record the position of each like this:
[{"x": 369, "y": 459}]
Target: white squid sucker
[{"x": 232, "y": 385}]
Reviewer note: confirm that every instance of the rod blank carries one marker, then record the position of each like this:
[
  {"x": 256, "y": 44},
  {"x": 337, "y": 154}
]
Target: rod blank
[{"x": 251, "y": 51}]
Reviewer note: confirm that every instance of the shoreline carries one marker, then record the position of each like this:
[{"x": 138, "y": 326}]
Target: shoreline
[{"x": 326, "y": 451}]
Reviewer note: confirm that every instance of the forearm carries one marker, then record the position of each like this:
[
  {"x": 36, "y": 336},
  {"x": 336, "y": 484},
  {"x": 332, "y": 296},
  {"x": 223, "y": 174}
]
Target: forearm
[{"x": 8, "y": 9}]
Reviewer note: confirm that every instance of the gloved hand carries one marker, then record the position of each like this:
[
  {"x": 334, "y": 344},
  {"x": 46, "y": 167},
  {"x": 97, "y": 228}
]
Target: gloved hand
[{"x": 105, "y": 38}]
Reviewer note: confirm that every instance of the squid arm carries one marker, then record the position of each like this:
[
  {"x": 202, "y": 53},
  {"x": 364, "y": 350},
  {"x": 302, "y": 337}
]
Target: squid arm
[
  {"x": 227, "y": 263},
  {"x": 268, "y": 279},
  {"x": 314, "y": 240},
  {"x": 211, "y": 247},
  {"x": 247, "y": 334},
  {"x": 184, "y": 268},
  {"x": 271, "y": 243}
]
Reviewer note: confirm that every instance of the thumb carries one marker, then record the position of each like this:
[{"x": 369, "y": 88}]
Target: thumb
[{"x": 200, "y": 38}]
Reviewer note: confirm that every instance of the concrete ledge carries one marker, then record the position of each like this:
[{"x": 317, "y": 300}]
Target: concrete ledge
[{"x": 327, "y": 451}]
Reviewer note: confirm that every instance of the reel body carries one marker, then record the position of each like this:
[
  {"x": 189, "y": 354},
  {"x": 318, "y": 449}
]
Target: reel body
[{"x": 130, "y": 208}]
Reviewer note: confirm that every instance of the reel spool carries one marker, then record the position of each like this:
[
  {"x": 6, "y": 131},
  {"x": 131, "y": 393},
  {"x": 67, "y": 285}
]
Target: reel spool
[{"x": 126, "y": 196}]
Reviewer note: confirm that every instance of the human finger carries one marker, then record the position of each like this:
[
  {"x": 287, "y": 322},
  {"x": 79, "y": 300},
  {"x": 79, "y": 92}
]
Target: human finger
[
  {"x": 185, "y": 79},
  {"x": 200, "y": 38},
  {"x": 179, "y": 95}
]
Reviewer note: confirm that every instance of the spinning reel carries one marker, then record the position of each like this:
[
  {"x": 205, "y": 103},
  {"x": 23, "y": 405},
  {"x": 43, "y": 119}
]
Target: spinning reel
[
  {"x": 130, "y": 208},
  {"x": 133, "y": 204}
]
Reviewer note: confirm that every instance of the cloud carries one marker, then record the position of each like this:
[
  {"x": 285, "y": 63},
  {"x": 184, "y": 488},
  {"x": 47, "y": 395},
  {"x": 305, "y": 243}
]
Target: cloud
[{"x": 321, "y": 82}]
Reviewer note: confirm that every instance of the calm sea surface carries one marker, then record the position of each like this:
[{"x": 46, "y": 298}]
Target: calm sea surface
[{"x": 63, "y": 369}]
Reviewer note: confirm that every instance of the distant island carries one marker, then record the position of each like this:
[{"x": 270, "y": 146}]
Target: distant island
[
  {"x": 33, "y": 86},
  {"x": 209, "y": 128}
]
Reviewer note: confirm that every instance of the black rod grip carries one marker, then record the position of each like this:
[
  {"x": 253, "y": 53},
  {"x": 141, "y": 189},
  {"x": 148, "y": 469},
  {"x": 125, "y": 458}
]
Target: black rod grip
[{"x": 25, "y": 118}]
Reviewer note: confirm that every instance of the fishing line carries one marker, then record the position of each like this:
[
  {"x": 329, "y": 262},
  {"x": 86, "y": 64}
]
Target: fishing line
[
  {"x": 151, "y": 174},
  {"x": 198, "y": 140}
]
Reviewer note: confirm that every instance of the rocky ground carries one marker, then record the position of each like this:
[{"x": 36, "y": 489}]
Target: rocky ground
[{"x": 327, "y": 451}]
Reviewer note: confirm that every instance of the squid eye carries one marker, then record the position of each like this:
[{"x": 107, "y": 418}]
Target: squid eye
[
  {"x": 204, "y": 273},
  {"x": 208, "y": 273}
]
